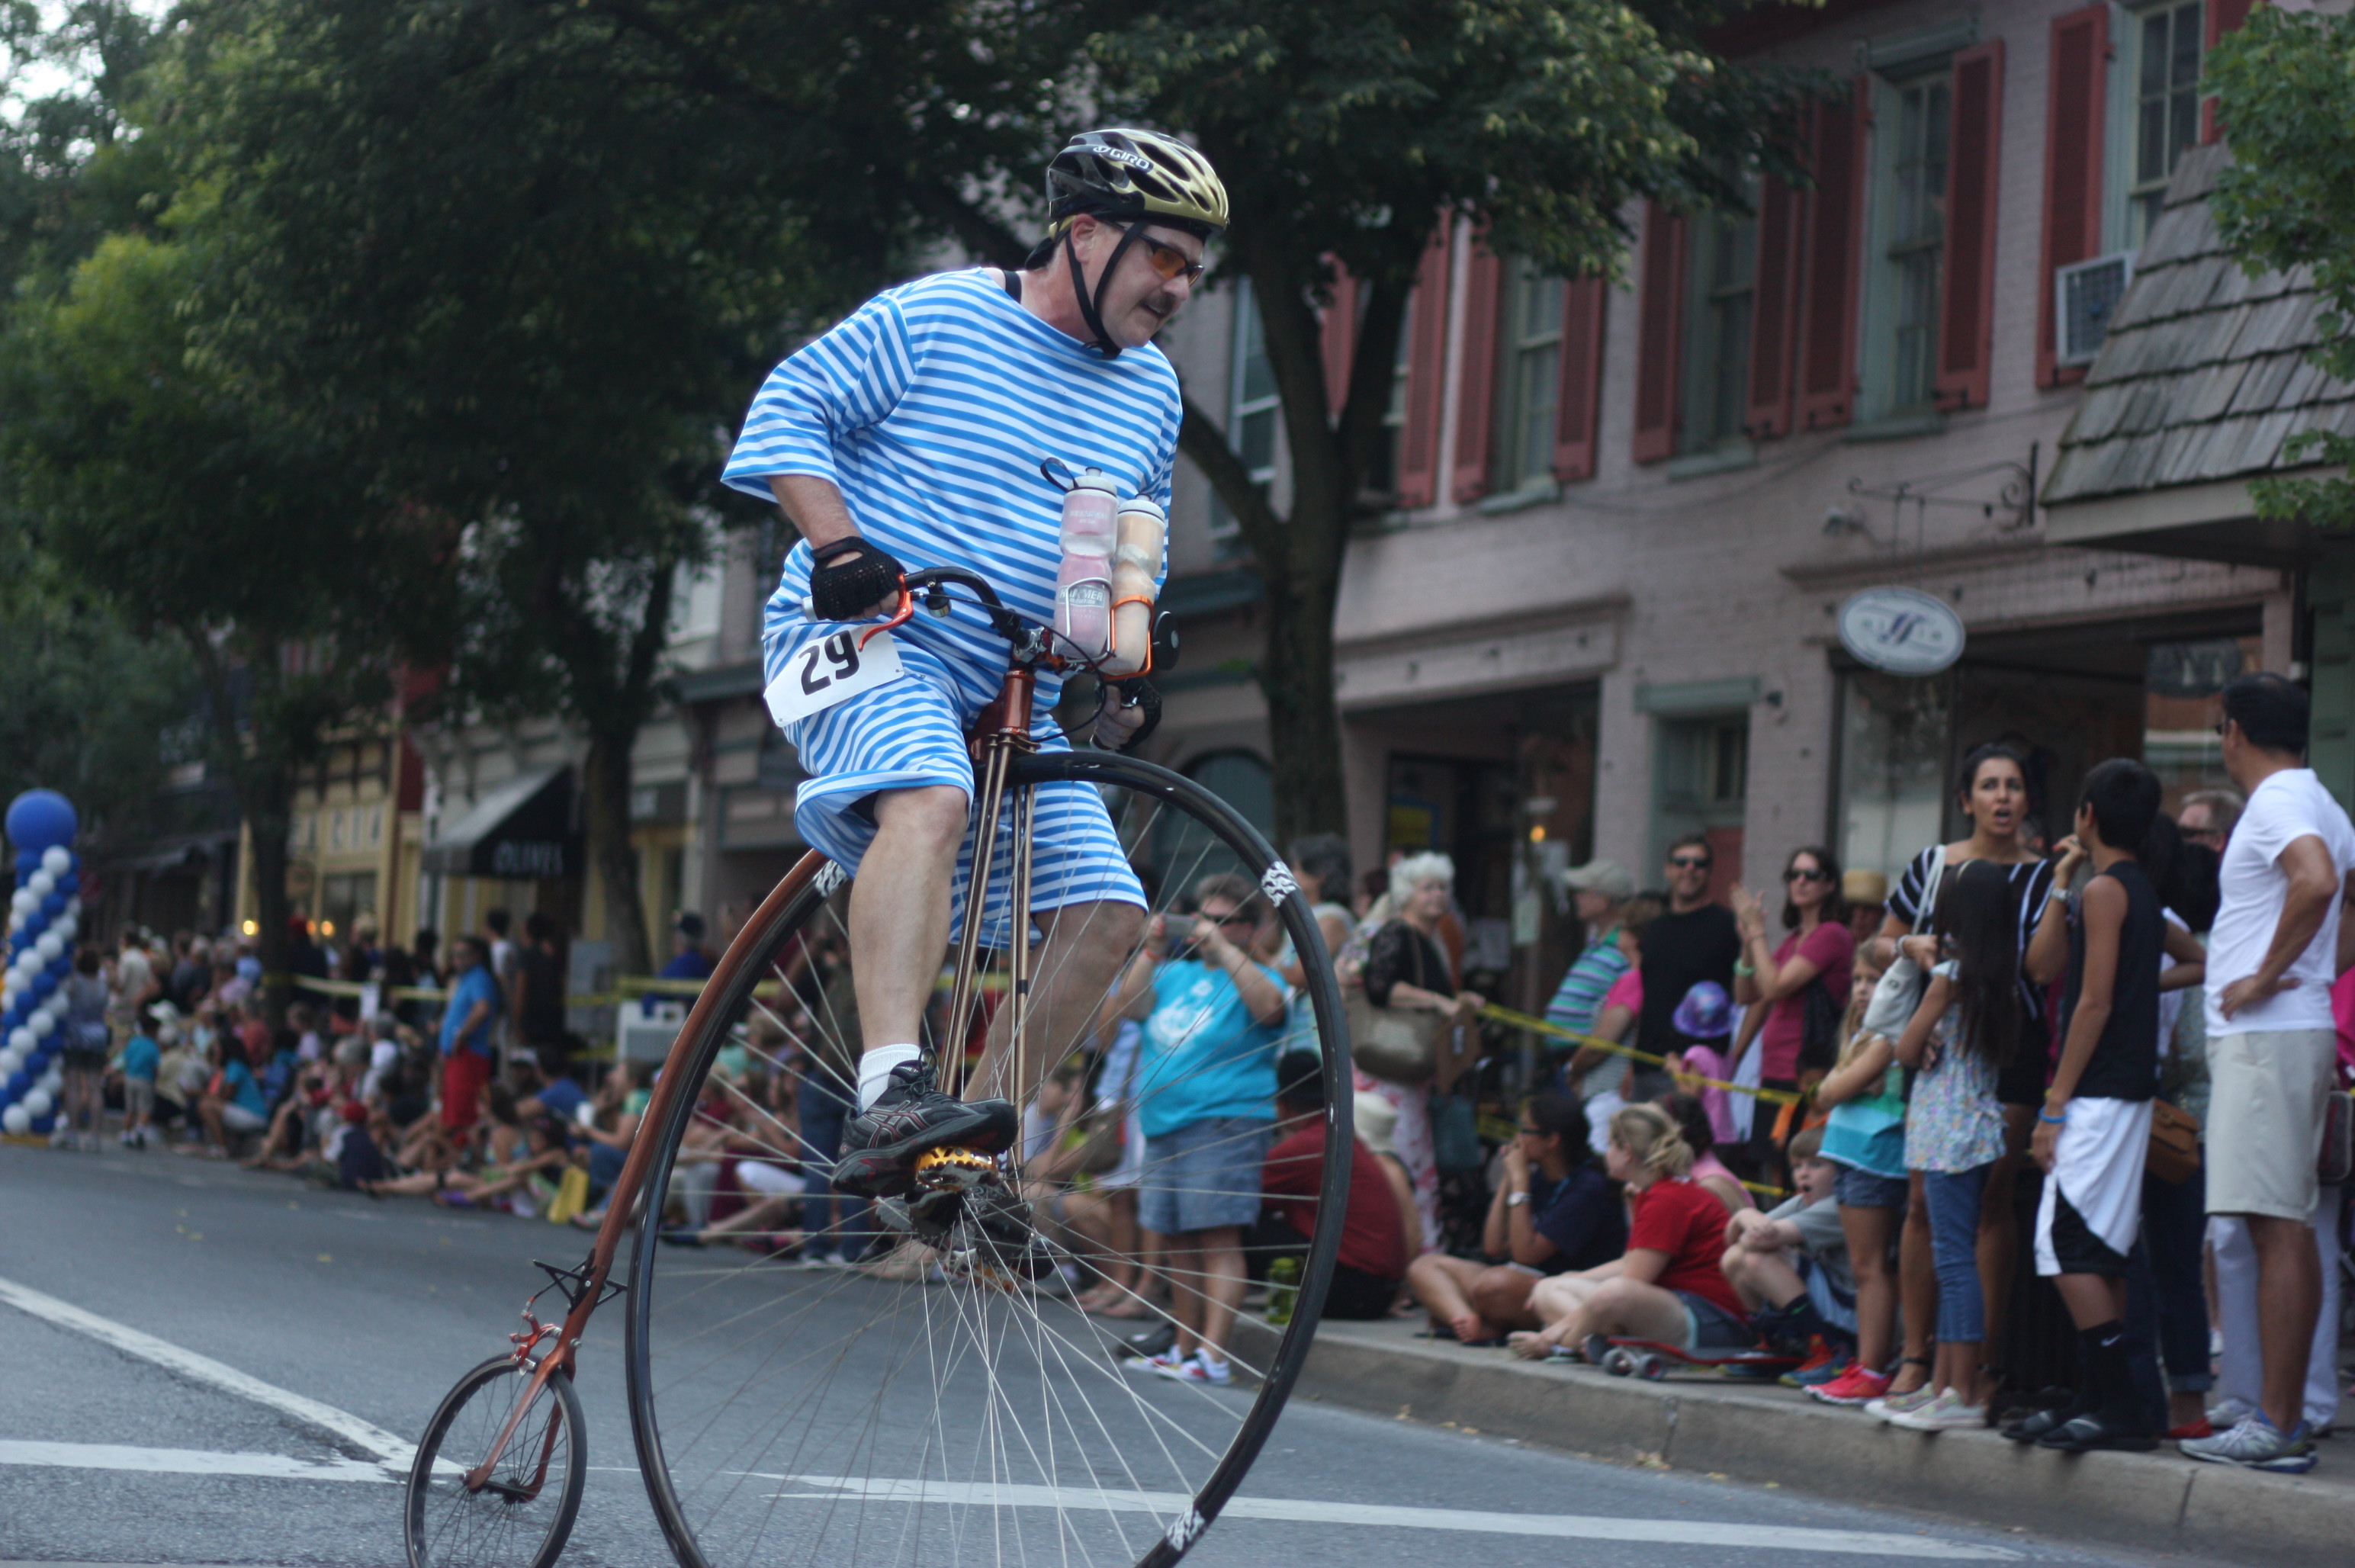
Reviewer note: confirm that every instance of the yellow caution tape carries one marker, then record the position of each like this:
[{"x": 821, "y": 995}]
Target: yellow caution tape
[{"x": 1539, "y": 1026}]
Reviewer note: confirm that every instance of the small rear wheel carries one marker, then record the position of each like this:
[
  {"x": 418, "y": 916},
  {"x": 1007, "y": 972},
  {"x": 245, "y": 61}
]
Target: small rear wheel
[{"x": 523, "y": 1513}]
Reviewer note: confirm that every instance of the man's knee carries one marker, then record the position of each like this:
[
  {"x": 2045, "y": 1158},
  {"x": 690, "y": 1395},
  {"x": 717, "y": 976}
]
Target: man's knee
[{"x": 935, "y": 816}]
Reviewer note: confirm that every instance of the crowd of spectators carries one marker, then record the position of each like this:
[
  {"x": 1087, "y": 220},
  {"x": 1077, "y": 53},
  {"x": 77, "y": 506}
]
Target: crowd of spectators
[{"x": 2148, "y": 1019}]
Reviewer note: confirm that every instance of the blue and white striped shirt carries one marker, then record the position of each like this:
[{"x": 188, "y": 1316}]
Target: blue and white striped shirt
[{"x": 931, "y": 409}]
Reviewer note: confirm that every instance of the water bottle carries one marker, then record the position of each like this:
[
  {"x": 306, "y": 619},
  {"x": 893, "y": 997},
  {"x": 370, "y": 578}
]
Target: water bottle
[
  {"x": 1083, "y": 582},
  {"x": 1283, "y": 1290},
  {"x": 1134, "y": 564}
]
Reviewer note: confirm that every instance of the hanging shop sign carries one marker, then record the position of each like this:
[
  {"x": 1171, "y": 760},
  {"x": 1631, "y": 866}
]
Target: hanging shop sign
[{"x": 1901, "y": 630}]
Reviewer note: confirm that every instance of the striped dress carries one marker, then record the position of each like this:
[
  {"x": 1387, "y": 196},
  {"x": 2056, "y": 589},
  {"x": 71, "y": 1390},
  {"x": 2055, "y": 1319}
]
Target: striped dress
[{"x": 931, "y": 409}]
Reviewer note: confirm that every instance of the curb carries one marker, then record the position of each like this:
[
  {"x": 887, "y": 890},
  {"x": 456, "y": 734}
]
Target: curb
[{"x": 2158, "y": 1501}]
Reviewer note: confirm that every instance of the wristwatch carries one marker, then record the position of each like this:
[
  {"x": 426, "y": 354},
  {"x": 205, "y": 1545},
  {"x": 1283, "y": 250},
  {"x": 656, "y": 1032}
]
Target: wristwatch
[{"x": 1515, "y": 1200}]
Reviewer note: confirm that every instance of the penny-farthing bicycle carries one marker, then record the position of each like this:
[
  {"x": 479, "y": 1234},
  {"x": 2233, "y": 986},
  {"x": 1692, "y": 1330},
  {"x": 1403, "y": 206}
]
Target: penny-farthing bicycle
[{"x": 943, "y": 1401}]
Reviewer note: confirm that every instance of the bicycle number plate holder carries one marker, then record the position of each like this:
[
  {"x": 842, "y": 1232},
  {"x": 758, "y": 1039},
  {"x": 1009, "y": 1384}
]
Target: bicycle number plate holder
[{"x": 833, "y": 669}]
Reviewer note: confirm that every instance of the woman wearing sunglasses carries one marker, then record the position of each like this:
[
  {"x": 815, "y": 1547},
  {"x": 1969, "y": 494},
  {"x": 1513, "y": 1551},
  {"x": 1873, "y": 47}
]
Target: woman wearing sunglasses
[{"x": 1772, "y": 979}]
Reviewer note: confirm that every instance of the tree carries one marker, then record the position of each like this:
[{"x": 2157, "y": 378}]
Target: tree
[
  {"x": 2285, "y": 86},
  {"x": 207, "y": 518},
  {"x": 1342, "y": 131},
  {"x": 527, "y": 273}
]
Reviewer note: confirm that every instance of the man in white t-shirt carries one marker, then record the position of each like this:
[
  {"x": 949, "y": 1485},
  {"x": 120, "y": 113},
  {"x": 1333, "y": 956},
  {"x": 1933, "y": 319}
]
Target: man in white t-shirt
[{"x": 2271, "y": 956}]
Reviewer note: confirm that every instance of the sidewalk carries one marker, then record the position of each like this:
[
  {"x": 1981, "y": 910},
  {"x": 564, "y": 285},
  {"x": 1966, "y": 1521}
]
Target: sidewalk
[{"x": 1698, "y": 1421}]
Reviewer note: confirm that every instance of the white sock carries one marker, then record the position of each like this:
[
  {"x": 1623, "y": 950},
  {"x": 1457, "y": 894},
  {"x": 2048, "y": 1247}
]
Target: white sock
[{"x": 875, "y": 1070}]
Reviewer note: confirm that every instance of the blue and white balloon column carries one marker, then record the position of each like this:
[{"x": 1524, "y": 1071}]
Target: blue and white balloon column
[{"x": 44, "y": 914}]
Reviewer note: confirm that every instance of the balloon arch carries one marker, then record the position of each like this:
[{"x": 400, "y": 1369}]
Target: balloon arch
[{"x": 44, "y": 917}]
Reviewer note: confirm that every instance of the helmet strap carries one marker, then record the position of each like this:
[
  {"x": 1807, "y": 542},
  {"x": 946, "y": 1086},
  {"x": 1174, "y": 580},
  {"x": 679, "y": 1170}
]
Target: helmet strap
[{"x": 1091, "y": 307}]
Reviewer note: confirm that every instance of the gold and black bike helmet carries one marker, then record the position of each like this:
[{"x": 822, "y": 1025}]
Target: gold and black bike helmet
[{"x": 1133, "y": 175}]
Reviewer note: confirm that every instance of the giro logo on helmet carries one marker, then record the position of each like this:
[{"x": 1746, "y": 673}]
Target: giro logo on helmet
[{"x": 1123, "y": 155}]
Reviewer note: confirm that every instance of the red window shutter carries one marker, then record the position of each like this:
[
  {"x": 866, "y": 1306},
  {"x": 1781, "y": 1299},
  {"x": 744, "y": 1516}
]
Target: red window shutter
[
  {"x": 1581, "y": 395},
  {"x": 1476, "y": 385},
  {"x": 2075, "y": 119},
  {"x": 1829, "y": 293},
  {"x": 1340, "y": 328},
  {"x": 1774, "y": 312},
  {"x": 1966, "y": 306},
  {"x": 1659, "y": 334},
  {"x": 2223, "y": 16},
  {"x": 1426, "y": 373}
]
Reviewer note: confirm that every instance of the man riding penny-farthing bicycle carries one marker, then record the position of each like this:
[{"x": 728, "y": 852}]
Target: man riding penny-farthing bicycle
[{"x": 939, "y": 451}]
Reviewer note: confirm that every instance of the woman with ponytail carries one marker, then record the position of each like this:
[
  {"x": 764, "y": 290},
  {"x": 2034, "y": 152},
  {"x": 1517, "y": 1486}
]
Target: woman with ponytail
[{"x": 1670, "y": 1286}]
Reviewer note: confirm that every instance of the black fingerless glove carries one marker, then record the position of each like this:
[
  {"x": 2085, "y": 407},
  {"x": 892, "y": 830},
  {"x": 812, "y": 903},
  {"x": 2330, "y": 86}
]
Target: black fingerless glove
[
  {"x": 1138, "y": 692},
  {"x": 850, "y": 589}
]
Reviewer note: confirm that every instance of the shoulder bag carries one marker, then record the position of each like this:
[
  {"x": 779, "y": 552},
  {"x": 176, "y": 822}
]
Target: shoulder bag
[
  {"x": 1398, "y": 1045},
  {"x": 1899, "y": 993},
  {"x": 2174, "y": 1154}
]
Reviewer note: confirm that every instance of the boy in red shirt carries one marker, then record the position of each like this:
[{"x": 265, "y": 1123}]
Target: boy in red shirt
[{"x": 1374, "y": 1251}]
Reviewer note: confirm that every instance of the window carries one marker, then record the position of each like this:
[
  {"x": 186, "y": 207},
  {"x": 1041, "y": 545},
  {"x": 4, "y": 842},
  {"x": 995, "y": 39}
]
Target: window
[
  {"x": 1913, "y": 246},
  {"x": 1701, "y": 768},
  {"x": 1529, "y": 379},
  {"x": 2165, "y": 98},
  {"x": 1251, "y": 406},
  {"x": 1893, "y": 756},
  {"x": 1381, "y": 474},
  {"x": 1723, "y": 266}
]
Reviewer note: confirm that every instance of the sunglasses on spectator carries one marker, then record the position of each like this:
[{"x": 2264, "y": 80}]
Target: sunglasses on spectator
[
  {"x": 1237, "y": 918},
  {"x": 1687, "y": 862},
  {"x": 1167, "y": 260},
  {"x": 1806, "y": 874}
]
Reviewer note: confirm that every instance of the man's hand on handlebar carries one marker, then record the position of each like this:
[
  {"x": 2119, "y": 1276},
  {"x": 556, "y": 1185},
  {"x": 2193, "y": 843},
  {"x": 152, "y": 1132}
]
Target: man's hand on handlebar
[
  {"x": 853, "y": 580},
  {"x": 1131, "y": 712}
]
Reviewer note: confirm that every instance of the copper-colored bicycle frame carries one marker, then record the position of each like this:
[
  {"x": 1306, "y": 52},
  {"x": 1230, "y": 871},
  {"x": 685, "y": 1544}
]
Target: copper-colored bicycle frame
[{"x": 1002, "y": 730}]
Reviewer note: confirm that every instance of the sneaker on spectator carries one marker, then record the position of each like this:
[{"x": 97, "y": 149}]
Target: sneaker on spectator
[
  {"x": 1822, "y": 1365},
  {"x": 1199, "y": 1369},
  {"x": 1891, "y": 1404},
  {"x": 1166, "y": 1364},
  {"x": 2227, "y": 1414},
  {"x": 1945, "y": 1413},
  {"x": 2255, "y": 1443},
  {"x": 1857, "y": 1385}
]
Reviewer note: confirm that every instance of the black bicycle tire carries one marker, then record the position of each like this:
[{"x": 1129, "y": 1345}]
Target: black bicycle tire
[
  {"x": 771, "y": 928},
  {"x": 576, "y": 1471}
]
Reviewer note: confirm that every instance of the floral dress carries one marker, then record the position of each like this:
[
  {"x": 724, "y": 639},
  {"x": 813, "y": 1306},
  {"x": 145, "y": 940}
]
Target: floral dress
[{"x": 1954, "y": 1121}]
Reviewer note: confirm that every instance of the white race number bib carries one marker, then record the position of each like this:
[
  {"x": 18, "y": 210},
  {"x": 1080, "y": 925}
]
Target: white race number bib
[{"x": 833, "y": 669}]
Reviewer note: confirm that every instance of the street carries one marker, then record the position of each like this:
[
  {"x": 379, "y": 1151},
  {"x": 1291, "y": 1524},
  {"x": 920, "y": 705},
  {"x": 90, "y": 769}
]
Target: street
[{"x": 203, "y": 1365}]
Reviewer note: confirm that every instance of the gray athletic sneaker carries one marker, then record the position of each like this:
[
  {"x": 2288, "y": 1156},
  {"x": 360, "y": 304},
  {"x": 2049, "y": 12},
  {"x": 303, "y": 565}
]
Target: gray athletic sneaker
[{"x": 2255, "y": 1443}]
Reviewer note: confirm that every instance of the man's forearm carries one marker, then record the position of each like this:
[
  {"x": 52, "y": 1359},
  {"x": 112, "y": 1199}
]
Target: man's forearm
[
  {"x": 816, "y": 506},
  {"x": 2303, "y": 909}
]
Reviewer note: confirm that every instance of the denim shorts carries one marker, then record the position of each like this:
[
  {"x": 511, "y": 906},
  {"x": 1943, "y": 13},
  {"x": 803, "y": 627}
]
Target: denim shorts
[
  {"x": 1862, "y": 1189},
  {"x": 1203, "y": 1176},
  {"x": 1709, "y": 1326}
]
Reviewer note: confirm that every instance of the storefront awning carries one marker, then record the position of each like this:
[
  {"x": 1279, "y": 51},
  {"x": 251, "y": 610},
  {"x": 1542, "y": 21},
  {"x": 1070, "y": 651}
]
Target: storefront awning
[
  {"x": 522, "y": 829},
  {"x": 2201, "y": 381}
]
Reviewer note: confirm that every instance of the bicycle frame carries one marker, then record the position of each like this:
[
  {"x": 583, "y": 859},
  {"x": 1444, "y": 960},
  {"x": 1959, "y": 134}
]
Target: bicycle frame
[{"x": 1002, "y": 731}]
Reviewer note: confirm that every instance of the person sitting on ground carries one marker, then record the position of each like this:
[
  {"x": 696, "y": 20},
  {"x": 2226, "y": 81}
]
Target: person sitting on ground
[
  {"x": 619, "y": 1106},
  {"x": 537, "y": 1093},
  {"x": 232, "y": 1101},
  {"x": 1374, "y": 1234},
  {"x": 1376, "y": 1121},
  {"x": 1670, "y": 1286},
  {"x": 1790, "y": 1264},
  {"x": 1708, "y": 1170},
  {"x": 1552, "y": 1212}
]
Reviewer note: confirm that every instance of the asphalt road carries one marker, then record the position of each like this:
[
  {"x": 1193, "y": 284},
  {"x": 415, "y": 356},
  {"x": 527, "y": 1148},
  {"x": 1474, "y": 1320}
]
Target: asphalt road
[{"x": 276, "y": 1331}]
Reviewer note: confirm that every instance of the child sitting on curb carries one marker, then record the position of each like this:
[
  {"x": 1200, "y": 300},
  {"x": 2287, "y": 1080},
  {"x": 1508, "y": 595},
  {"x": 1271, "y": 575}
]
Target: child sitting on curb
[{"x": 1790, "y": 1264}]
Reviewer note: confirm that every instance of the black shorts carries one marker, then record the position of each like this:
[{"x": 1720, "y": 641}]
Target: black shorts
[
  {"x": 2077, "y": 1248},
  {"x": 2023, "y": 1079},
  {"x": 1359, "y": 1296}
]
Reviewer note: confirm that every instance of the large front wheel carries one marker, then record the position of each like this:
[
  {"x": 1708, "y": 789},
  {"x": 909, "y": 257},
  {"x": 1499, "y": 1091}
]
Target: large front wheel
[{"x": 911, "y": 1408}]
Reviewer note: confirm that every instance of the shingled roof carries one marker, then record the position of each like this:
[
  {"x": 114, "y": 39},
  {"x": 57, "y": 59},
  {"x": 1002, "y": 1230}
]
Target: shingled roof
[{"x": 2203, "y": 374}]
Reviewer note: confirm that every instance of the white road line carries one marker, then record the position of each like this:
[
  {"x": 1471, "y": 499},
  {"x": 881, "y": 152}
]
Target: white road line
[
  {"x": 1571, "y": 1527},
  {"x": 186, "y": 1462},
  {"x": 395, "y": 1453}
]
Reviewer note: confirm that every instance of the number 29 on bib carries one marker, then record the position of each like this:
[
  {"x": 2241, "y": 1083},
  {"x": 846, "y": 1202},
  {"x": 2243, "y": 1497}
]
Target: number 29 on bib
[{"x": 835, "y": 668}]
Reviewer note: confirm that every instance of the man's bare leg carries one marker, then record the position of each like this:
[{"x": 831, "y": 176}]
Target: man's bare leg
[
  {"x": 899, "y": 909},
  {"x": 1073, "y": 969}
]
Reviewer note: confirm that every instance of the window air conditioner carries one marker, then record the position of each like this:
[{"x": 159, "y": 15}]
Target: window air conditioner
[{"x": 2086, "y": 294}]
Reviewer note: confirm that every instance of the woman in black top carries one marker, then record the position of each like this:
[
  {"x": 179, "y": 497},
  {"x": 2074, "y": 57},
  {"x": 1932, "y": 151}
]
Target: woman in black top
[{"x": 1992, "y": 790}]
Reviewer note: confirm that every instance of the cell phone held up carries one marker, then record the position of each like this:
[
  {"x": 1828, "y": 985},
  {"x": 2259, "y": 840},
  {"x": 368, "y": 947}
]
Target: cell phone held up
[{"x": 1178, "y": 929}]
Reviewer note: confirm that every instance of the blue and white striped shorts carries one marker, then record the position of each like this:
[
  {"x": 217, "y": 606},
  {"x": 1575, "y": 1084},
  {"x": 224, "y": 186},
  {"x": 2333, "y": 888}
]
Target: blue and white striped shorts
[{"x": 910, "y": 734}]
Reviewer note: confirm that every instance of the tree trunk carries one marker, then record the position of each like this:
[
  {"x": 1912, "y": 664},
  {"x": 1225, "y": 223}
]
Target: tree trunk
[
  {"x": 1304, "y": 726},
  {"x": 605, "y": 822},
  {"x": 265, "y": 795}
]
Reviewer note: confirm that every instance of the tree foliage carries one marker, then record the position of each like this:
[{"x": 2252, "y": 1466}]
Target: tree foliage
[{"x": 2286, "y": 84}]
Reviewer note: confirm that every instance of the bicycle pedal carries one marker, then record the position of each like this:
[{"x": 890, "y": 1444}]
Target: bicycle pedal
[{"x": 954, "y": 1169}]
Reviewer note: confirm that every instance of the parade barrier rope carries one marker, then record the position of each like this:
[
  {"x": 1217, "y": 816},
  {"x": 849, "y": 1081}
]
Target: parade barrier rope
[{"x": 1554, "y": 1030}]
